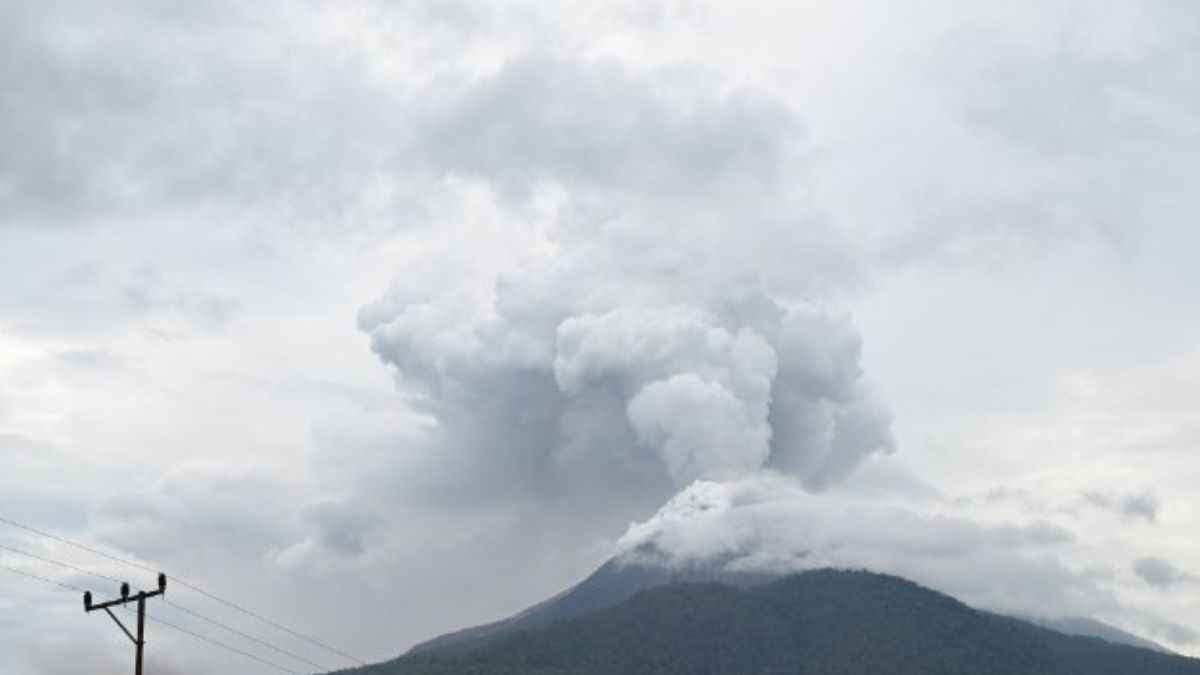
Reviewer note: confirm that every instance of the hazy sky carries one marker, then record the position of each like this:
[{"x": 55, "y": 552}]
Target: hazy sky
[{"x": 385, "y": 318}]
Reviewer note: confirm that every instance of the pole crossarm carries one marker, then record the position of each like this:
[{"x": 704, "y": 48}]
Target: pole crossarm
[{"x": 119, "y": 601}]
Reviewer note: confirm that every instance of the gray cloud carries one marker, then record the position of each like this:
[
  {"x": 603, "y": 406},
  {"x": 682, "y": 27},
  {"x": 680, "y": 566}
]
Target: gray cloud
[
  {"x": 49, "y": 658},
  {"x": 341, "y": 527},
  {"x": 130, "y": 110},
  {"x": 147, "y": 290},
  {"x": 1174, "y": 632},
  {"x": 1143, "y": 506},
  {"x": 595, "y": 125},
  {"x": 213, "y": 513},
  {"x": 1140, "y": 506},
  {"x": 55, "y": 655},
  {"x": 1159, "y": 572}
]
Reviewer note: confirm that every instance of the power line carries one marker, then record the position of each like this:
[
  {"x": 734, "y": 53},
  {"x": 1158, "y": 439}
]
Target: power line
[
  {"x": 199, "y": 590},
  {"x": 31, "y": 575},
  {"x": 82, "y": 547},
  {"x": 269, "y": 622},
  {"x": 224, "y": 646},
  {"x": 60, "y": 564},
  {"x": 247, "y": 636},
  {"x": 359, "y": 662}
]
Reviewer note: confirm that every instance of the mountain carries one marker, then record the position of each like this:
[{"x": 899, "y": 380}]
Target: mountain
[
  {"x": 621, "y": 579},
  {"x": 824, "y": 622}
]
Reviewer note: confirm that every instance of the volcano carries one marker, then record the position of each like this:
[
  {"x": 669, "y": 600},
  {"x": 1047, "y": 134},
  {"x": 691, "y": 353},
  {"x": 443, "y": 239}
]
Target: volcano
[{"x": 630, "y": 619}]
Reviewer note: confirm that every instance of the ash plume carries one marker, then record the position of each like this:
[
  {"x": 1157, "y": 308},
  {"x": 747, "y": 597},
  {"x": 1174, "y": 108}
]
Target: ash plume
[{"x": 651, "y": 309}]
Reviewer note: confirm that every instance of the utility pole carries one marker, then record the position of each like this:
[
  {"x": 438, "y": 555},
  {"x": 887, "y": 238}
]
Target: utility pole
[{"x": 139, "y": 642}]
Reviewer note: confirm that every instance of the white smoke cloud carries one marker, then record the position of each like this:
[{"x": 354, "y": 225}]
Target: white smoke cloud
[
  {"x": 651, "y": 303},
  {"x": 767, "y": 524}
]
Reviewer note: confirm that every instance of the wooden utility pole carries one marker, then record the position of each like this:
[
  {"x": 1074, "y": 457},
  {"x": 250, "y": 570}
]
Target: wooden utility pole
[{"x": 139, "y": 642}]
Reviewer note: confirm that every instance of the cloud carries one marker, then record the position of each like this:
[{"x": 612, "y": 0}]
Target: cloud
[
  {"x": 214, "y": 513},
  {"x": 1175, "y": 632},
  {"x": 146, "y": 290},
  {"x": 130, "y": 111},
  {"x": 1143, "y": 506},
  {"x": 769, "y": 524},
  {"x": 61, "y": 659},
  {"x": 1160, "y": 572},
  {"x": 57, "y": 656},
  {"x": 642, "y": 137},
  {"x": 339, "y": 526}
]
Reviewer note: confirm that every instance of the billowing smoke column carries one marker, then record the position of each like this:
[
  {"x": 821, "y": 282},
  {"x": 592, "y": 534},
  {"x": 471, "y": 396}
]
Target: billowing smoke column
[{"x": 625, "y": 294}]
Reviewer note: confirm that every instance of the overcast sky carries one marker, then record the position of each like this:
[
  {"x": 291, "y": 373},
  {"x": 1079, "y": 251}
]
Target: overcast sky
[{"x": 386, "y": 318}]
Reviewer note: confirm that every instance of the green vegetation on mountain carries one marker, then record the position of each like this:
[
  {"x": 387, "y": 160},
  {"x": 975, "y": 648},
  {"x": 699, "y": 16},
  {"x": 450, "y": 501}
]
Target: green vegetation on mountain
[{"x": 823, "y": 622}]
